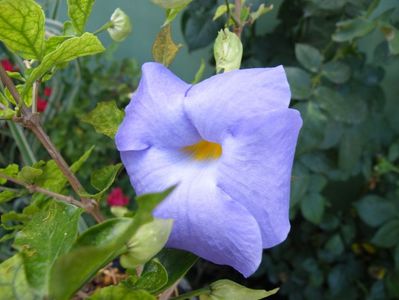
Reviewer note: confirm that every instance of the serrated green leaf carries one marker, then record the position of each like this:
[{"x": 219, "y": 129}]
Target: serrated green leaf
[
  {"x": 121, "y": 292},
  {"x": 29, "y": 174},
  {"x": 227, "y": 289},
  {"x": 153, "y": 278},
  {"x": 374, "y": 210},
  {"x": 388, "y": 235},
  {"x": 105, "y": 118},
  {"x": 177, "y": 263},
  {"x": 22, "y": 27},
  {"x": 13, "y": 283},
  {"x": 7, "y": 195},
  {"x": 87, "y": 44},
  {"x": 11, "y": 170},
  {"x": 336, "y": 71},
  {"x": 49, "y": 234},
  {"x": 312, "y": 207},
  {"x": 79, "y": 12},
  {"x": 309, "y": 57},
  {"x": 164, "y": 49},
  {"x": 300, "y": 83},
  {"x": 350, "y": 29}
]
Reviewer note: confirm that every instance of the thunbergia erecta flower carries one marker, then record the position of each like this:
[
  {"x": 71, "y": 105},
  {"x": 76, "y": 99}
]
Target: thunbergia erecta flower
[{"x": 228, "y": 142}]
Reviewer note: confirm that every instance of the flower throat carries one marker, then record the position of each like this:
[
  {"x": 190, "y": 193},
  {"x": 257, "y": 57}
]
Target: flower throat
[{"x": 204, "y": 150}]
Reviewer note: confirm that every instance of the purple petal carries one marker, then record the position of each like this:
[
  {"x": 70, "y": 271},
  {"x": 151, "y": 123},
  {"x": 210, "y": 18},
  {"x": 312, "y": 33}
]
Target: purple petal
[
  {"x": 255, "y": 169},
  {"x": 222, "y": 100},
  {"x": 211, "y": 225},
  {"x": 155, "y": 115}
]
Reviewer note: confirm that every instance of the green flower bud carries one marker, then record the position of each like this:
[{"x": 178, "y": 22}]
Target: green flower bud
[
  {"x": 226, "y": 289},
  {"x": 148, "y": 241},
  {"x": 227, "y": 51},
  {"x": 121, "y": 26},
  {"x": 168, "y": 4}
]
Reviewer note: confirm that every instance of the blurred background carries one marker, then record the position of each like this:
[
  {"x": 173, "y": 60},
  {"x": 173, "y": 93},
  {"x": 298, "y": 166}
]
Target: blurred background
[{"x": 342, "y": 62}]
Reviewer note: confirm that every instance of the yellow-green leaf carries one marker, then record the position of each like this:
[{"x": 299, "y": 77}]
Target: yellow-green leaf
[
  {"x": 22, "y": 27},
  {"x": 164, "y": 49},
  {"x": 79, "y": 12}
]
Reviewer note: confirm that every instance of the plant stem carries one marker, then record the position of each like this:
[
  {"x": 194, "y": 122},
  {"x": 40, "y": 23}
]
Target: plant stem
[
  {"x": 36, "y": 189},
  {"x": 192, "y": 294},
  {"x": 237, "y": 11},
  {"x": 107, "y": 25},
  {"x": 32, "y": 122}
]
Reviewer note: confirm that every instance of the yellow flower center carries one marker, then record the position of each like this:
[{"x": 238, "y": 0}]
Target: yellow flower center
[{"x": 204, "y": 150}]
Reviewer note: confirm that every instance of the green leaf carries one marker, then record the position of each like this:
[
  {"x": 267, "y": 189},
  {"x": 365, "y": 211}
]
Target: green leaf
[
  {"x": 312, "y": 207},
  {"x": 79, "y": 12},
  {"x": 221, "y": 10},
  {"x": 153, "y": 278},
  {"x": 49, "y": 234},
  {"x": 10, "y": 170},
  {"x": 98, "y": 246},
  {"x": 350, "y": 150},
  {"x": 177, "y": 263},
  {"x": 309, "y": 57},
  {"x": 54, "y": 41},
  {"x": 262, "y": 9},
  {"x": 227, "y": 289},
  {"x": 22, "y": 27},
  {"x": 52, "y": 178},
  {"x": 106, "y": 118},
  {"x": 172, "y": 13},
  {"x": 300, "y": 83},
  {"x": 388, "y": 235},
  {"x": 164, "y": 49},
  {"x": 392, "y": 36},
  {"x": 374, "y": 210},
  {"x": 87, "y": 44},
  {"x": 29, "y": 174},
  {"x": 343, "y": 109},
  {"x": 7, "y": 114},
  {"x": 75, "y": 167},
  {"x": 13, "y": 283},
  {"x": 168, "y": 4},
  {"x": 336, "y": 71},
  {"x": 103, "y": 178},
  {"x": 121, "y": 292},
  {"x": 7, "y": 195},
  {"x": 329, "y": 5},
  {"x": 350, "y": 29}
]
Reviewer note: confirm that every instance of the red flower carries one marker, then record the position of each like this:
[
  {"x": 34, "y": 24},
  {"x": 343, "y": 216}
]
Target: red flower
[
  {"x": 117, "y": 198},
  {"x": 41, "y": 104},
  {"x": 48, "y": 91},
  {"x": 7, "y": 65}
]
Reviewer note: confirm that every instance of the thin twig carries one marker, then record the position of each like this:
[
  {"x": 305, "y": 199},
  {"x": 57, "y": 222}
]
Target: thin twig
[
  {"x": 37, "y": 189},
  {"x": 31, "y": 121},
  {"x": 237, "y": 12}
]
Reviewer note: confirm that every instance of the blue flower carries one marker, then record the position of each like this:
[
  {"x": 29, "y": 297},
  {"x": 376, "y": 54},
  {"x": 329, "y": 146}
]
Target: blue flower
[{"x": 229, "y": 143}]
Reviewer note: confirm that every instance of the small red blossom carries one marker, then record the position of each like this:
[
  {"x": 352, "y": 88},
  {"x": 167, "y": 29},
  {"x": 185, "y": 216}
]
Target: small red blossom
[
  {"x": 117, "y": 198},
  {"x": 48, "y": 91},
  {"x": 7, "y": 65},
  {"x": 41, "y": 104}
]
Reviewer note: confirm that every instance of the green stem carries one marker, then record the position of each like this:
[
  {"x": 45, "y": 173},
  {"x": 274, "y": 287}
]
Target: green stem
[
  {"x": 193, "y": 294},
  {"x": 107, "y": 25},
  {"x": 22, "y": 144}
]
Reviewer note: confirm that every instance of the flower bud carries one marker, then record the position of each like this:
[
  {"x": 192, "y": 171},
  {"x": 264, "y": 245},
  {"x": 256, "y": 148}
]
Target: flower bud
[
  {"x": 226, "y": 289},
  {"x": 168, "y": 4},
  {"x": 227, "y": 51},
  {"x": 121, "y": 26},
  {"x": 148, "y": 241}
]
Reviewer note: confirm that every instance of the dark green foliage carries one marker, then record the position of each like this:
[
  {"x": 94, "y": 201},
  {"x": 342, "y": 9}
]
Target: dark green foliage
[{"x": 344, "y": 241}]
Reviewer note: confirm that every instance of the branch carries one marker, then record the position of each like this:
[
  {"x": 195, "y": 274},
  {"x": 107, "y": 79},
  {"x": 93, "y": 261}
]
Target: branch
[
  {"x": 37, "y": 189},
  {"x": 31, "y": 121},
  {"x": 237, "y": 12}
]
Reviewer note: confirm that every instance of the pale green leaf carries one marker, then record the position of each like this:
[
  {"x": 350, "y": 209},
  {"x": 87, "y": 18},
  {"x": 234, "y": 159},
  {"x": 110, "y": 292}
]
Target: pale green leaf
[
  {"x": 221, "y": 10},
  {"x": 106, "y": 118},
  {"x": 121, "y": 292},
  {"x": 200, "y": 72},
  {"x": 164, "y": 49},
  {"x": 79, "y": 163},
  {"x": 49, "y": 234},
  {"x": 87, "y": 44},
  {"x": 262, "y": 9},
  {"x": 79, "y": 12},
  {"x": 29, "y": 174},
  {"x": 227, "y": 289},
  {"x": 10, "y": 170},
  {"x": 7, "y": 195},
  {"x": 13, "y": 283},
  {"x": 168, "y": 4},
  {"x": 153, "y": 278},
  {"x": 172, "y": 13},
  {"x": 22, "y": 27}
]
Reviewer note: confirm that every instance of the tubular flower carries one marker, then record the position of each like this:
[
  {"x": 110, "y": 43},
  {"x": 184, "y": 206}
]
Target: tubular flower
[{"x": 228, "y": 142}]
